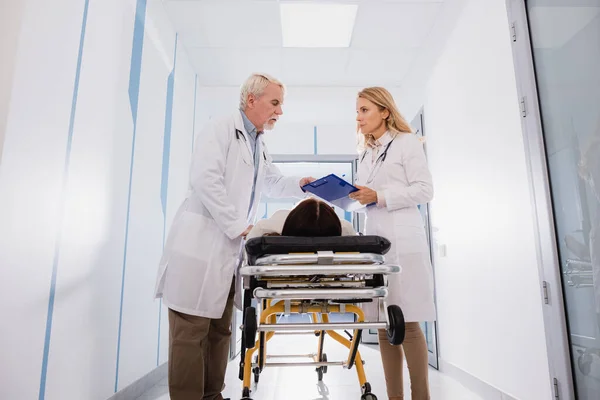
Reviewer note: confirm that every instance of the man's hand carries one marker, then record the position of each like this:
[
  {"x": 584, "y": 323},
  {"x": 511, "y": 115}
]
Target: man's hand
[
  {"x": 364, "y": 195},
  {"x": 306, "y": 181},
  {"x": 247, "y": 231}
]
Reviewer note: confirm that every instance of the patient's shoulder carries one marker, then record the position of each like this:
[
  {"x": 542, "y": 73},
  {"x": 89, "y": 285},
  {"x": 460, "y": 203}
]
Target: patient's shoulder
[
  {"x": 279, "y": 215},
  {"x": 347, "y": 228},
  {"x": 273, "y": 224}
]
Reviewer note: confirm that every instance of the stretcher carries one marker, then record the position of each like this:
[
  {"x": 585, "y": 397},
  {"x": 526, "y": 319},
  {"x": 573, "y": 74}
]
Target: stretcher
[{"x": 315, "y": 276}]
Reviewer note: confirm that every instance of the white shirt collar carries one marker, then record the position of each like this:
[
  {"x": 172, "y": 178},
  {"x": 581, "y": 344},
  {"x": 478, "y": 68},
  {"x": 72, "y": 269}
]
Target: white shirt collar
[{"x": 384, "y": 139}]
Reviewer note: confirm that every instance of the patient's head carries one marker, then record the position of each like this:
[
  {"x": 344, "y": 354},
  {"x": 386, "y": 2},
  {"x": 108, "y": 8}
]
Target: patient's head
[{"x": 312, "y": 218}]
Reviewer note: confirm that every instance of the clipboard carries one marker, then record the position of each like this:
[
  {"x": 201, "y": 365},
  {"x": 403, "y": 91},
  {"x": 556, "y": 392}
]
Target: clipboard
[{"x": 334, "y": 190}]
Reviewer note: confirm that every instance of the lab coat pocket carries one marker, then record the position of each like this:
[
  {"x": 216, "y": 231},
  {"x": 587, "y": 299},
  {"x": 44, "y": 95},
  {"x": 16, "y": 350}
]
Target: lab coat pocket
[
  {"x": 189, "y": 236},
  {"x": 408, "y": 217}
]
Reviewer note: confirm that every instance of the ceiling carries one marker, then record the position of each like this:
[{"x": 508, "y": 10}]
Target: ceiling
[{"x": 226, "y": 40}]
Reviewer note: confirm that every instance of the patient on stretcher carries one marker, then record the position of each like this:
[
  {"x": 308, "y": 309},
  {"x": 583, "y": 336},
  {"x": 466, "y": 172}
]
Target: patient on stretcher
[{"x": 310, "y": 218}]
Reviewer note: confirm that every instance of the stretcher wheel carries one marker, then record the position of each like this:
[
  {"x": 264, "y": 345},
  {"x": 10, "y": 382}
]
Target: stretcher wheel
[
  {"x": 367, "y": 395},
  {"x": 256, "y": 372},
  {"x": 396, "y": 329},
  {"x": 250, "y": 327},
  {"x": 246, "y": 394},
  {"x": 323, "y": 368}
]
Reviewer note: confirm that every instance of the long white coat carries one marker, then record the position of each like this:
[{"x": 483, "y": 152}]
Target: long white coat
[
  {"x": 404, "y": 180},
  {"x": 204, "y": 244}
]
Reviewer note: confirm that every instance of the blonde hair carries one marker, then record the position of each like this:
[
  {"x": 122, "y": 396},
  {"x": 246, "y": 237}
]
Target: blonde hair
[
  {"x": 256, "y": 85},
  {"x": 395, "y": 122}
]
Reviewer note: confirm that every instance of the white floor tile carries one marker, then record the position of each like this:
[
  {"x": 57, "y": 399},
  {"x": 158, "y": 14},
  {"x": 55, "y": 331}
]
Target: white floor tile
[
  {"x": 164, "y": 382},
  {"x": 158, "y": 392}
]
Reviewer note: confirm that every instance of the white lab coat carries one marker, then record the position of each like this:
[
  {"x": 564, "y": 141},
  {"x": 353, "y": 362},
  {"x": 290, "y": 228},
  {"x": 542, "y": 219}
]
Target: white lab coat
[
  {"x": 404, "y": 180},
  {"x": 203, "y": 246}
]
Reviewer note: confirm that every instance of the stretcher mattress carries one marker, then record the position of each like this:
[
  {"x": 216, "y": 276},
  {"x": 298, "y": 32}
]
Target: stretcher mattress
[{"x": 272, "y": 245}]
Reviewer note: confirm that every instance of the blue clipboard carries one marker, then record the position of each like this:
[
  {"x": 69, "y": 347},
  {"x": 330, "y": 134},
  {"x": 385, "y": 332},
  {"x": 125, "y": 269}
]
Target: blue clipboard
[{"x": 334, "y": 190}]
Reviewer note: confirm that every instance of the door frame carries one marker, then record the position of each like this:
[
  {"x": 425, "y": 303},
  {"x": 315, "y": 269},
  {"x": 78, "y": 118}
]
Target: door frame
[
  {"x": 418, "y": 123},
  {"x": 551, "y": 290}
]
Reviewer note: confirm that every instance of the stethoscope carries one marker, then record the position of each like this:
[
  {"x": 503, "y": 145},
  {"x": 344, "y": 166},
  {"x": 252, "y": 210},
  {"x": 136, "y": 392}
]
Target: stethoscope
[
  {"x": 239, "y": 133},
  {"x": 378, "y": 162}
]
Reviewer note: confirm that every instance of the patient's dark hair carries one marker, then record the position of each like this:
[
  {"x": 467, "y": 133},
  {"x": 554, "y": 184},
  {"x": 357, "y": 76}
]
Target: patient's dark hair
[{"x": 312, "y": 217}]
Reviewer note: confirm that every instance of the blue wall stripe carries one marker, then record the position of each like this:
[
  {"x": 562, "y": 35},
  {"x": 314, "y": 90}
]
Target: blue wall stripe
[
  {"x": 315, "y": 140},
  {"x": 164, "y": 185},
  {"x": 194, "y": 119},
  {"x": 134, "y": 91},
  {"x": 136, "y": 57},
  {"x": 62, "y": 205}
]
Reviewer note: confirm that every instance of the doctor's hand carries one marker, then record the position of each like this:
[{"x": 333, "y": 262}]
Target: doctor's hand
[
  {"x": 247, "y": 231},
  {"x": 364, "y": 195},
  {"x": 306, "y": 181}
]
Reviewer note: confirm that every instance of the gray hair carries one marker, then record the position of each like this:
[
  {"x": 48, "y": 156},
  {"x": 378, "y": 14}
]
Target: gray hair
[{"x": 255, "y": 85}]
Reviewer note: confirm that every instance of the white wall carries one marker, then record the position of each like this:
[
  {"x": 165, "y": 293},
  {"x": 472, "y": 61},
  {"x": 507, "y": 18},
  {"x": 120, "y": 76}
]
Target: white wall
[
  {"x": 11, "y": 13},
  {"x": 80, "y": 237},
  {"x": 331, "y": 109},
  {"x": 488, "y": 289}
]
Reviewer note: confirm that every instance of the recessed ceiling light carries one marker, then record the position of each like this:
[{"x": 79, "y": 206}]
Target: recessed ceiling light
[{"x": 317, "y": 25}]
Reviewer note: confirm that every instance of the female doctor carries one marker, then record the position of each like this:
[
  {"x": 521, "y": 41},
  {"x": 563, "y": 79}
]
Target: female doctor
[{"x": 394, "y": 178}]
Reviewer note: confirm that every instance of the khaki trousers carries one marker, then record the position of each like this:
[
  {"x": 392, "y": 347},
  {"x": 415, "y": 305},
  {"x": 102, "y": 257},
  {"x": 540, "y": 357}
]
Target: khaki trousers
[
  {"x": 198, "y": 354},
  {"x": 392, "y": 357}
]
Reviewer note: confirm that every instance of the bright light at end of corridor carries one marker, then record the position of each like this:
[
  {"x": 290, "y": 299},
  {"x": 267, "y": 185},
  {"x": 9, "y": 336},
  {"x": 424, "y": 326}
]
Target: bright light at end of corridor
[{"x": 317, "y": 25}]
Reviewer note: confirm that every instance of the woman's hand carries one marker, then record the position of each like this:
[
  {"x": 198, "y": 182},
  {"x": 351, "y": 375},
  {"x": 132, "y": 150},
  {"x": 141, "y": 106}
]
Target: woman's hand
[
  {"x": 247, "y": 231},
  {"x": 364, "y": 195},
  {"x": 305, "y": 181}
]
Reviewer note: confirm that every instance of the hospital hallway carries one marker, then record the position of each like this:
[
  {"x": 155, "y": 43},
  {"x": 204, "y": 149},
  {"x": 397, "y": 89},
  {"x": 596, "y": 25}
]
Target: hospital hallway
[
  {"x": 301, "y": 383},
  {"x": 137, "y": 167}
]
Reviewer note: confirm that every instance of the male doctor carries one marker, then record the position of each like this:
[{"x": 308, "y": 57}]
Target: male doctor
[{"x": 230, "y": 169}]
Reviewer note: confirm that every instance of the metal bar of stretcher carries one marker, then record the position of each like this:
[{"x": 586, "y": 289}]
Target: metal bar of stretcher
[
  {"x": 304, "y": 364},
  {"x": 330, "y": 326},
  {"x": 292, "y": 355},
  {"x": 305, "y": 270},
  {"x": 336, "y": 258},
  {"x": 322, "y": 294}
]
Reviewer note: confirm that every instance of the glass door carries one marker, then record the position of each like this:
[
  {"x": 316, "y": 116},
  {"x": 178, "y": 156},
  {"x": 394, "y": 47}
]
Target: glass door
[
  {"x": 429, "y": 328},
  {"x": 565, "y": 43}
]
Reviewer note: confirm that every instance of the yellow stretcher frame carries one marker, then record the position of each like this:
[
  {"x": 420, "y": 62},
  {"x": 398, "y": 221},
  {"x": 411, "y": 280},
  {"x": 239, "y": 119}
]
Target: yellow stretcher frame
[
  {"x": 284, "y": 284},
  {"x": 271, "y": 311}
]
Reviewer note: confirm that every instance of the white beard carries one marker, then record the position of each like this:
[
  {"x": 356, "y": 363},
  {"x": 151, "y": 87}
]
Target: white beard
[{"x": 269, "y": 126}]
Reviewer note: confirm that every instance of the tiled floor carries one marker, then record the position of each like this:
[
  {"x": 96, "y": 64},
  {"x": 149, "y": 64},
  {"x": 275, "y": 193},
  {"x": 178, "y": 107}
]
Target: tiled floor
[{"x": 300, "y": 383}]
